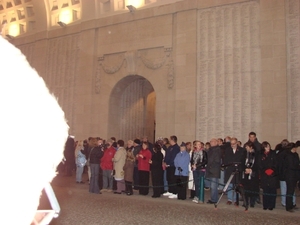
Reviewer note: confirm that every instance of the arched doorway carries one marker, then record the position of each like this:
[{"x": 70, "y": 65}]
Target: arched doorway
[{"x": 132, "y": 109}]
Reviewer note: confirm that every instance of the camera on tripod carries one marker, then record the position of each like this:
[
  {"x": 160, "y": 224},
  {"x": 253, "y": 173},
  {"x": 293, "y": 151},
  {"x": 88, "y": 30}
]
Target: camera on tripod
[{"x": 232, "y": 164}]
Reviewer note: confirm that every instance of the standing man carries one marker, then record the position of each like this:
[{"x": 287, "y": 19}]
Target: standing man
[
  {"x": 213, "y": 169},
  {"x": 232, "y": 158},
  {"x": 257, "y": 149},
  {"x": 171, "y": 153}
]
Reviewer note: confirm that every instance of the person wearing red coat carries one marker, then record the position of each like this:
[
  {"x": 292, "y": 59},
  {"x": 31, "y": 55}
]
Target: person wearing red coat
[
  {"x": 106, "y": 164},
  {"x": 143, "y": 157}
]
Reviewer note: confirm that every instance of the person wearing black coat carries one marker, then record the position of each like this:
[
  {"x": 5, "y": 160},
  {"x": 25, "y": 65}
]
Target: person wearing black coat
[
  {"x": 94, "y": 153},
  {"x": 232, "y": 160},
  {"x": 157, "y": 171},
  {"x": 250, "y": 174},
  {"x": 69, "y": 155},
  {"x": 268, "y": 176},
  {"x": 291, "y": 173},
  {"x": 213, "y": 170}
]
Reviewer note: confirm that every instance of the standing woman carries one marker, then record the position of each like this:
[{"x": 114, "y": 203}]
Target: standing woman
[
  {"x": 95, "y": 155},
  {"x": 144, "y": 157},
  {"x": 250, "y": 174},
  {"x": 182, "y": 163},
  {"x": 198, "y": 165},
  {"x": 157, "y": 173},
  {"x": 80, "y": 161},
  {"x": 128, "y": 171},
  {"x": 267, "y": 168},
  {"x": 119, "y": 162}
]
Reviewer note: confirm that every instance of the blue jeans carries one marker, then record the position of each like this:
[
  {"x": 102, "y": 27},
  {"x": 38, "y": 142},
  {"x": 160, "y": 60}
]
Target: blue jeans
[
  {"x": 283, "y": 193},
  {"x": 197, "y": 174},
  {"x": 79, "y": 171},
  {"x": 221, "y": 180},
  {"x": 107, "y": 179},
  {"x": 94, "y": 181},
  {"x": 165, "y": 181},
  {"x": 214, "y": 193},
  {"x": 231, "y": 194}
]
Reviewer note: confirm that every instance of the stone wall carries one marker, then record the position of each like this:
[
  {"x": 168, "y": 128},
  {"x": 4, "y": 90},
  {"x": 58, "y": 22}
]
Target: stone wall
[
  {"x": 293, "y": 67},
  {"x": 216, "y": 67},
  {"x": 228, "y": 76}
]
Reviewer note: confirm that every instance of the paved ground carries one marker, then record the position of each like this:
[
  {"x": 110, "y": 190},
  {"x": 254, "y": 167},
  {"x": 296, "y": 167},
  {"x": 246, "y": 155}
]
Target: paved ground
[{"x": 78, "y": 206}]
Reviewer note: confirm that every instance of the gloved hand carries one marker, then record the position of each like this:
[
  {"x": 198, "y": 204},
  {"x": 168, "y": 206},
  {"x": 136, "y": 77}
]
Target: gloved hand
[{"x": 269, "y": 172}]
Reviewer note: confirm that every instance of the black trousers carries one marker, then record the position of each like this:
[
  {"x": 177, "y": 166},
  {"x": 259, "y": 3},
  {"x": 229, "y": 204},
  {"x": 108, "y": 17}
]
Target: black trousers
[
  {"x": 136, "y": 178},
  {"x": 249, "y": 199},
  {"x": 143, "y": 182},
  {"x": 157, "y": 177},
  {"x": 171, "y": 179},
  {"x": 181, "y": 186},
  {"x": 128, "y": 187},
  {"x": 269, "y": 197},
  {"x": 290, "y": 189}
]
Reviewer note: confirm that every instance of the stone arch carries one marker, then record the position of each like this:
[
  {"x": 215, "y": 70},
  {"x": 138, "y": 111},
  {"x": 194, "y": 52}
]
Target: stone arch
[{"x": 132, "y": 109}]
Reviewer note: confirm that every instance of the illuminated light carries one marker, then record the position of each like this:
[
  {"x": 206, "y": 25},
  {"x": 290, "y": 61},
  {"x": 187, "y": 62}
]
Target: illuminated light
[
  {"x": 65, "y": 16},
  {"x": 14, "y": 30},
  {"x": 135, "y": 3}
]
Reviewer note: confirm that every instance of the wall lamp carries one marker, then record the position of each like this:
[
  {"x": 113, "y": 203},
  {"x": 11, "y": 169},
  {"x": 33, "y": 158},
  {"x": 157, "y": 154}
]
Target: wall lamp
[
  {"x": 62, "y": 24},
  {"x": 131, "y": 8}
]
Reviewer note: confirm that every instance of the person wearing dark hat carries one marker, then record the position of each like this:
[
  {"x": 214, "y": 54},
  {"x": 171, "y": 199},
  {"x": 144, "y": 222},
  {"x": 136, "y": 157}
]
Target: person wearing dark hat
[
  {"x": 292, "y": 171},
  {"x": 136, "y": 149},
  {"x": 181, "y": 163}
]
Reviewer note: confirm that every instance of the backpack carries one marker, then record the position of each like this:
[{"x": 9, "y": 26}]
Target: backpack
[{"x": 80, "y": 160}]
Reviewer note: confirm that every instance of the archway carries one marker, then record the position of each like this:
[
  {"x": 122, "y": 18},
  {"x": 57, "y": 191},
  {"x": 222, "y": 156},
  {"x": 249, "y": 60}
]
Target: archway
[{"x": 132, "y": 109}]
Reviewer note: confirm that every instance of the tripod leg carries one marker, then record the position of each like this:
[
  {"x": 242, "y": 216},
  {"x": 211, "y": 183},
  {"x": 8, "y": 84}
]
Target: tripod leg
[
  {"x": 225, "y": 188},
  {"x": 240, "y": 189}
]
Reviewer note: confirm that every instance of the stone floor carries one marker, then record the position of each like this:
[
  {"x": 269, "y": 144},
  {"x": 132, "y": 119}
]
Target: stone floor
[{"x": 78, "y": 206}]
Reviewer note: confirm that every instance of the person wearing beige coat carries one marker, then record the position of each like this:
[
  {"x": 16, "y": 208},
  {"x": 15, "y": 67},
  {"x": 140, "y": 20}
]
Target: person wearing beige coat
[{"x": 119, "y": 162}]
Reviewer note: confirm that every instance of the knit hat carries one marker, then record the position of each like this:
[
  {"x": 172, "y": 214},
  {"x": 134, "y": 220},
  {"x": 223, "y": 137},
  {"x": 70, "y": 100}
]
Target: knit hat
[
  {"x": 183, "y": 144},
  {"x": 137, "y": 141}
]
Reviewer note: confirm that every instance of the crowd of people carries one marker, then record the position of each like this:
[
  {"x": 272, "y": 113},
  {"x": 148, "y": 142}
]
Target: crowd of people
[{"x": 120, "y": 168}]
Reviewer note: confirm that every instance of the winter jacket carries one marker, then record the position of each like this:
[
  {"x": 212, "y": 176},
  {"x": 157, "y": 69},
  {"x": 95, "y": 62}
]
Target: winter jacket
[
  {"x": 119, "y": 162},
  {"x": 266, "y": 162},
  {"x": 200, "y": 162},
  {"x": 128, "y": 170},
  {"x": 181, "y": 163},
  {"x": 214, "y": 162},
  {"x": 171, "y": 153},
  {"x": 106, "y": 161},
  {"x": 143, "y": 163},
  {"x": 95, "y": 154}
]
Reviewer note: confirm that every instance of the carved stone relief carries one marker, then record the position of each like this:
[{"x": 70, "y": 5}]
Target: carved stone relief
[
  {"x": 228, "y": 73},
  {"x": 151, "y": 58}
]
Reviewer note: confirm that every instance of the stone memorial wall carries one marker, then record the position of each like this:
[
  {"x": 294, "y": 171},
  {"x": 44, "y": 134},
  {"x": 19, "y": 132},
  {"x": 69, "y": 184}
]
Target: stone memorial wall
[
  {"x": 228, "y": 73},
  {"x": 61, "y": 73},
  {"x": 293, "y": 67}
]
